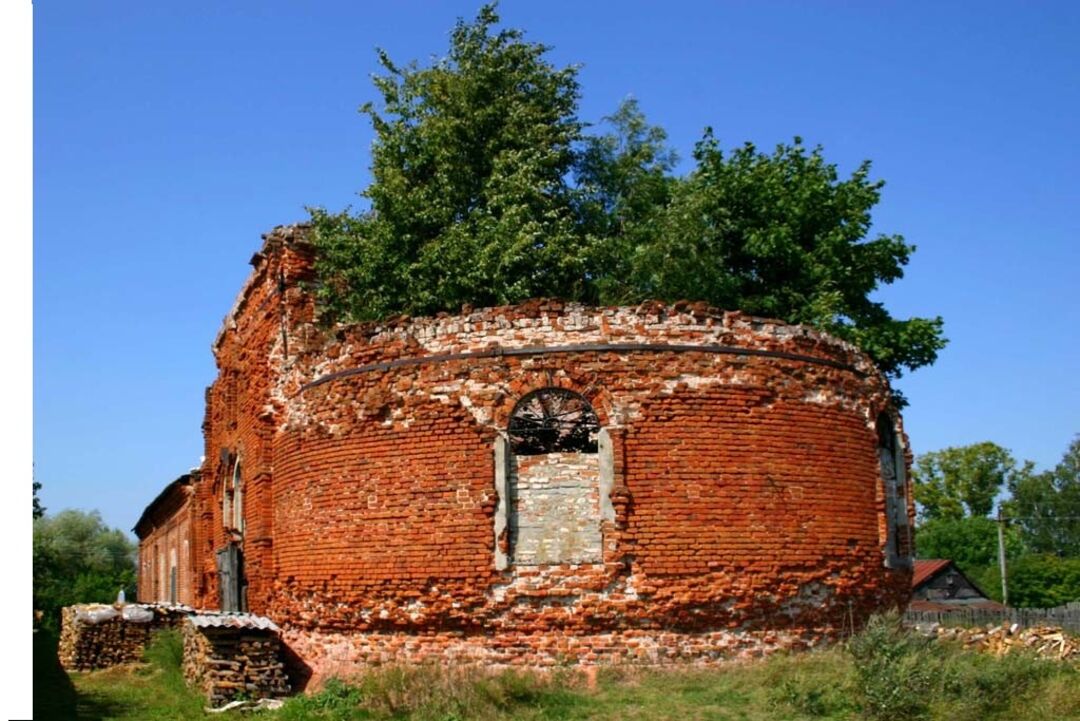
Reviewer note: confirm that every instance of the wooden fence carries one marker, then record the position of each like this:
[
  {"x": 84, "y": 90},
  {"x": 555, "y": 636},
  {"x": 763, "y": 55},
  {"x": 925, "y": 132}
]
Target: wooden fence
[{"x": 1067, "y": 617}]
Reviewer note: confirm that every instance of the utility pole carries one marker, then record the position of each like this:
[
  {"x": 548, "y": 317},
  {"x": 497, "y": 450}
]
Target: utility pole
[{"x": 1001, "y": 557}]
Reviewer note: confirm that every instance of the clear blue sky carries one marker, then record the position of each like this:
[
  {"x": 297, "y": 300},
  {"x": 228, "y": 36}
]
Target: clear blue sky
[{"x": 169, "y": 136}]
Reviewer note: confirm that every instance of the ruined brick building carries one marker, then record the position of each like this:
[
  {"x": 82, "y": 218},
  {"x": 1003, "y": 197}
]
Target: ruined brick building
[
  {"x": 541, "y": 483},
  {"x": 165, "y": 554}
]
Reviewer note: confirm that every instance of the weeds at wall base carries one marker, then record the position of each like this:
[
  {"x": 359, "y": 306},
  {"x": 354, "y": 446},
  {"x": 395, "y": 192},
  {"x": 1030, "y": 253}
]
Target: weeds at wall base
[{"x": 830, "y": 683}]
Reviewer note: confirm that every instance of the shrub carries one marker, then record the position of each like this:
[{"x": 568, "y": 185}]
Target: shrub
[
  {"x": 895, "y": 670},
  {"x": 976, "y": 686},
  {"x": 818, "y": 684},
  {"x": 336, "y": 700}
]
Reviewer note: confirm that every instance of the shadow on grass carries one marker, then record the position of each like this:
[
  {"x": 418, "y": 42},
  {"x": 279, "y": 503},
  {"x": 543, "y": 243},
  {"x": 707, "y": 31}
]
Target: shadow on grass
[{"x": 55, "y": 697}]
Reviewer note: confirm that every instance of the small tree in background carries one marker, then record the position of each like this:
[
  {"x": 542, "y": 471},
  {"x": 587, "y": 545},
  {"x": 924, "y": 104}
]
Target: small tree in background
[
  {"x": 971, "y": 542},
  {"x": 1047, "y": 506},
  {"x": 962, "y": 482},
  {"x": 955, "y": 489},
  {"x": 77, "y": 559}
]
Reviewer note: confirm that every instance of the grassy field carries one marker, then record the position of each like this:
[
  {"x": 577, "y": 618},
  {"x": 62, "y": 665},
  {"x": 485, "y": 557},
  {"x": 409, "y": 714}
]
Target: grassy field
[{"x": 882, "y": 674}]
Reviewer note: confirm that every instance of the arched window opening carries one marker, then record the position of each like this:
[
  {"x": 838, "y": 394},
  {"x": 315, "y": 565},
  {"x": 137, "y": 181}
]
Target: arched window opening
[
  {"x": 553, "y": 486},
  {"x": 232, "y": 584},
  {"x": 238, "y": 496},
  {"x": 553, "y": 420},
  {"x": 232, "y": 493},
  {"x": 159, "y": 579},
  {"x": 172, "y": 576},
  {"x": 890, "y": 456}
]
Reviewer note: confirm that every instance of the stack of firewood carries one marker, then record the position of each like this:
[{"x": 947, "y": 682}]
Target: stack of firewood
[
  {"x": 229, "y": 662},
  {"x": 94, "y": 636},
  {"x": 1046, "y": 641}
]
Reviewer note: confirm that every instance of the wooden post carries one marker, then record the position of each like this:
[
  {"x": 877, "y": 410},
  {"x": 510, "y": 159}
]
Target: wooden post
[{"x": 1001, "y": 557}]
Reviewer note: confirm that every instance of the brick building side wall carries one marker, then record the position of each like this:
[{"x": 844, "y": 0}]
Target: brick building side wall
[
  {"x": 171, "y": 538},
  {"x": 240, "y": 413},
  {"x": 744, "y": 496}
]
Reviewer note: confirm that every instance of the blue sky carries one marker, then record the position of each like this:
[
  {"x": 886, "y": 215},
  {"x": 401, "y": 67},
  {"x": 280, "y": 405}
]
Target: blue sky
[{"x": 169, "y": 136}]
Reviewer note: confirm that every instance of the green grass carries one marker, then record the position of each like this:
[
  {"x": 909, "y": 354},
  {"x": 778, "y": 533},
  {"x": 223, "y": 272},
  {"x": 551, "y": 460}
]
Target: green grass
[
  {"x": 882, "y": 674},
  {"x": 151, "y": 692}
]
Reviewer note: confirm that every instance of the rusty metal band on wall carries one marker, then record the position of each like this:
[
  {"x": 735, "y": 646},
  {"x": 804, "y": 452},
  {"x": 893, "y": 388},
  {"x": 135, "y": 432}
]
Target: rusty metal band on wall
[{"x": 580, "y": 348}]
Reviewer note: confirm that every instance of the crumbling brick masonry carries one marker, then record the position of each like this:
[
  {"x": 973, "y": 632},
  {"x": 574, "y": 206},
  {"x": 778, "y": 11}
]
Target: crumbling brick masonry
[{"x": 543, "y": 483}]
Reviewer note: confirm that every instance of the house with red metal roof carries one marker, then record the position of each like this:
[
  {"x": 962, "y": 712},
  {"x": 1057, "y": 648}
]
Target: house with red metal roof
[{"x": 938, "y": 585}]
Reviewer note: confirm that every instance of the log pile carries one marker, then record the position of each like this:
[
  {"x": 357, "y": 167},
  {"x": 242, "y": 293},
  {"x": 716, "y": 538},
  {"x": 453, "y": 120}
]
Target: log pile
[
  {"x": 1045, "y": 641},
  {"x": 228, "y": 658},
  {"x": 94, "y": 636}
]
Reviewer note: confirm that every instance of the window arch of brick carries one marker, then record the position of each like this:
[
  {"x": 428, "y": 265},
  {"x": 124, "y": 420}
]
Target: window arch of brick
[
  {"x": 553, "y": 420},
  {"x": 232, "y": 491},
  {"x": 554, "y": 473}
]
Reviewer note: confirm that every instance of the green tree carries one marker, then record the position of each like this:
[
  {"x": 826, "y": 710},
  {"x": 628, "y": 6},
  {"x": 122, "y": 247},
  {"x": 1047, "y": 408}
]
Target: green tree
[
  {"x": 77, "y": 559},
  {"x": 623, "y": 190},
  {"x": 1047, "y": 506},
  {"x": 782, "y": 235},
  {"x": 472, "y": 202},
  {"x": 972, "y": 542},
  {"x": 962, "y": 481},
  {"x": 39, "y": 510},
  {"x": 1035, "y": 580}
]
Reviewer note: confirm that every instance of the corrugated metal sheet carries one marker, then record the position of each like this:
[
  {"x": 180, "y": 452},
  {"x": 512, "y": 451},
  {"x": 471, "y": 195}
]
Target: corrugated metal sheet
[
  {"x": 233, "y": 620},
  {"x": 165, "y": 606},
  {"x": 926, "y": 568}
]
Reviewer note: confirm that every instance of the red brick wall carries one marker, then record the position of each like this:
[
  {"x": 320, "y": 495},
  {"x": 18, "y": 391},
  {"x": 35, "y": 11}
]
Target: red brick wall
[
  {"x": 171, "y": 539},
  {"x": 746, "y": 488},
  {"x": 240, "y": 415}
]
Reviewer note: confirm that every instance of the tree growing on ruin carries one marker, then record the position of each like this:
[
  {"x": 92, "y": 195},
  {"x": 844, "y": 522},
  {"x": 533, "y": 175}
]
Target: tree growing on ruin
[
  {"x": 470, "y": 201},
  {"x": 487, "y": 190}
]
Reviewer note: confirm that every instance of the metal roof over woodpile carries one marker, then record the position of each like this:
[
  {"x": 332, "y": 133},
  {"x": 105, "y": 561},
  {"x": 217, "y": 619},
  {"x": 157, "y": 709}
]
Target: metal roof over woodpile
[{"x": 233, "y": 620}]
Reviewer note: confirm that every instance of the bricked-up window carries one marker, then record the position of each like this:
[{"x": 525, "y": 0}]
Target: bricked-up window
[
  {"x": 553, "y": 420},
  {"x": 890, "y": 455},
  {"x": 553, "y": 481},
  {"x": 172, "y": 575}
]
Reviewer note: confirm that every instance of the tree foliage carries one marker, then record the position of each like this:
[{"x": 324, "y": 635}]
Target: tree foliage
[
  {"x": 77, "y": 559},
  {"x": 782, "y": 235},
  {"x": 470, "y": 201},
  {"x": 963, "y": 481},
  {"x": 487, "y": 189},
  {"x": 1047, "y": 506},
  {"x": 39, "y": 510},
  {"x": 624, "y": 188},
  {"x": 956, "y": 488},
  {"x": 1036, "y": 580},
  {"x": 970, "y": 542}
]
